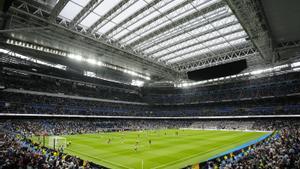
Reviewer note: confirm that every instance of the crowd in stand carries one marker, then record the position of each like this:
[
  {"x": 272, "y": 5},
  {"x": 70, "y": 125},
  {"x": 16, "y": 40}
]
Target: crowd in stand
[
  {"x": 267, "y": 96},
  {"x": 22, "y": 153},
  {"x": 11, "y": 102},
  {"x": 280, "y": 151},
  {"x": 18, "y": 152},
  {"x": 55, "y": 84},
  {"x": 279, "y": 85},
  {"x": 75, "y": 126},
  {"x": 253, "y": 97}
]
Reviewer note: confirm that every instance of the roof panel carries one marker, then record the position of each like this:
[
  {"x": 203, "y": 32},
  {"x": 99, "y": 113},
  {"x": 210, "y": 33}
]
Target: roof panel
[
  {"x": 154, "y": 27},
  {"x": 183, "y": 14},
  {"x": 193, "y": 23},
  {"x": 123, "y": 32},
  {"x": 105, "y": 6},
  {"x": 70, "y": 10},
  {"x": 238, "y": 41},
  {"x": 200, "y": 52},
  {"x": 144, "y": 20},
  {"x": 106, "y": 27},
  {"x": 156, "y": 24},
  {"x": 214, "y": 46},
  {"x": 129, "y": 11},
  {"x": 202, "y": 38},
  {"x": 195, "y": 38},
  {"x": 90, "y": 20},
  {"x": 82, "y": 3},
  {"x": 235, "y": 35},
  {"x": 170, "y": 5}
]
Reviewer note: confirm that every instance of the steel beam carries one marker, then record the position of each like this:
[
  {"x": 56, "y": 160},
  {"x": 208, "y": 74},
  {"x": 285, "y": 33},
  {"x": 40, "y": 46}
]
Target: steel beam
[
  {"x": 248, "y": 13},
  {"x": 186, "y": 46},
  {"x": 115, "y": 11},
  {"x": 144, "y": 27},
  {"x": 217, "y": 59},
  {"x": 196, "y": 55},
  {"x": 27, "y": 29},
  {"x": 61, "y": 26},
  {"x": 194, "y": 36},
  {"x": 138, "y": 15},
  {"x": 173, "y": 34},
  {"x": 57, "y": 9},
  {"x": 85, "y": 12},
  {"x": 178, "y": 22},
  {"x": 288, "y": 45}
]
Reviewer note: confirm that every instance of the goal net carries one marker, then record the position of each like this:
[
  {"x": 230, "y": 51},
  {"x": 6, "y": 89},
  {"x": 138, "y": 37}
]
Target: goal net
[{"x": 57, "y": 142}]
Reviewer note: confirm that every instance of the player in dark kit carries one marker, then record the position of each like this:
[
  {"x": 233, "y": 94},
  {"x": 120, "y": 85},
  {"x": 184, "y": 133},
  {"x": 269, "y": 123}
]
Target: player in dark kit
[{"x": 136, "y": 146}]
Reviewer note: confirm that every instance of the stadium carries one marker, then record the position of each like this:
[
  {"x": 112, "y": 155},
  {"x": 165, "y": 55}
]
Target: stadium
[{"x": 149, "y": 84}]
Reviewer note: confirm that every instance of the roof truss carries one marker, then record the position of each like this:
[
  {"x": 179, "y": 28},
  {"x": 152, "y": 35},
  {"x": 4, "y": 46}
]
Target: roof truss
[{"x": 173, "y": 37}]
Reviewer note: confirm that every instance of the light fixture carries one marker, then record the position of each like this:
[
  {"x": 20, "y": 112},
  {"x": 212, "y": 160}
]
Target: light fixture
[
  {"x": 295, "y": 64},
  {"x": 91, "y": 61},
  {"x": 75, "y": 57}
]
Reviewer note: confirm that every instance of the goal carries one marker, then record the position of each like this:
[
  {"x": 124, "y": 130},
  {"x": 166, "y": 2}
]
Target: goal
[{"x": 57, "y": 142}]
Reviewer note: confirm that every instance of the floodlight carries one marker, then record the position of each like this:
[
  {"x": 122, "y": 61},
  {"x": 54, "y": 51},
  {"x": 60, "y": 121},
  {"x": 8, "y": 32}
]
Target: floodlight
[
  {"x": 99, "y": 63},
  {"x": 75, "y": 57},
  {"x": 296, "y": 64},
  {"x": 91, "y": 61}
]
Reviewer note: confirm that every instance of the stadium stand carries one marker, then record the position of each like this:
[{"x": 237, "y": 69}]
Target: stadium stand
[
  {"x": 273, "y": 95},
  {"x": 281, "y": 150}
]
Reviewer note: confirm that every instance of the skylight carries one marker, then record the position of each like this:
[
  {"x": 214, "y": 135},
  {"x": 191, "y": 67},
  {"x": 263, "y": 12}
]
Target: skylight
[
  {"x": 90, "y": 20},
  {"x": 141, "y": 18},
  {"x": 82, "y": 3},
  {"x": 211, "y": 29},
  {"x": 70, "y": 10},
  {"x": 106, "y": 6},
  {"x": 194, "y": 25},
  {"x": 122, "y": 16},
  {"x": 98, "y": 12}
]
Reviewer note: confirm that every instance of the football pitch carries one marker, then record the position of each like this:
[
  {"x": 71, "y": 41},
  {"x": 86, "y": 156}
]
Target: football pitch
[{"x": 155, "y": 149}]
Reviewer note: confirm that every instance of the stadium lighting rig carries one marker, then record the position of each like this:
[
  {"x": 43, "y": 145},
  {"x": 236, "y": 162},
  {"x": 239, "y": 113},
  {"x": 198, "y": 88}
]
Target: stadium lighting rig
[
  {"x": 276, "y": 68},
  {"x": 35, "y": 47},
  {"x": 138, "y": 83},
  {"x": 296, "y": 64},
  {"x": 296, "y": 69},
  {"x": 92, "y": 61},
  {"x": 58, "y": 66},
  {"x": 76, "y": 57}
]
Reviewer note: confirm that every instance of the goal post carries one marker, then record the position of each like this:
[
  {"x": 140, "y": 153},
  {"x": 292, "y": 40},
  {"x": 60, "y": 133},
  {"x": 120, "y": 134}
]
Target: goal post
[{"x": 57, "y": 142}]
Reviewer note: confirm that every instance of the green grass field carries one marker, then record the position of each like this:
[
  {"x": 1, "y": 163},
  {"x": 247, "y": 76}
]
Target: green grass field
[{"x": 167, "y": 149}]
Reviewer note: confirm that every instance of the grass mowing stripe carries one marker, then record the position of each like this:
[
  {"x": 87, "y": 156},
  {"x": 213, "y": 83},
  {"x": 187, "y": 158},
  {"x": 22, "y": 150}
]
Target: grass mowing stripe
[
  {"x": 166, "y": 151},
  {"x": 99, "y": 159},
  {"x": 194, "y": 155}
]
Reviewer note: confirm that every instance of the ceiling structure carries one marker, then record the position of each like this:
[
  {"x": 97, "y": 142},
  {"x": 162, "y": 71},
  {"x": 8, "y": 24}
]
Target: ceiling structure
[
  {"x": 167, "y": 32},
  {"x": 163, "y": 38}
]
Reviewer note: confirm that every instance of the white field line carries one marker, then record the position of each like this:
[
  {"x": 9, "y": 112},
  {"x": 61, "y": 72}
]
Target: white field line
[
  {"x": 186, "y": 158},
  {"x": 225, "y": 130},
  {"x": 191, "y": 156},
  {"x": 120, "y": 165}
]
